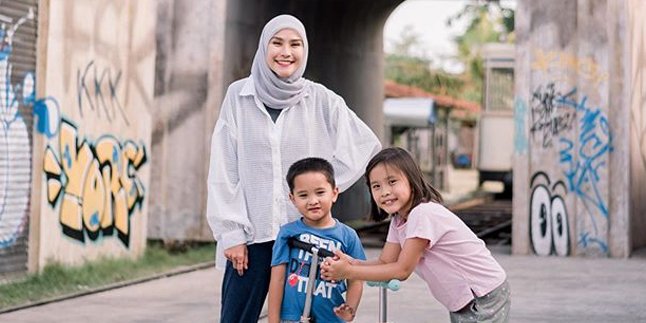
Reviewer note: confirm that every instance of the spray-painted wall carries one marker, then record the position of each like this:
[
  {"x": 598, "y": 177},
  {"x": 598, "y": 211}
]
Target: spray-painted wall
[
  {"x": 17, "y": 65},
  {"x": 91, "y": 157},
  {"x": 573, "y": 96}
]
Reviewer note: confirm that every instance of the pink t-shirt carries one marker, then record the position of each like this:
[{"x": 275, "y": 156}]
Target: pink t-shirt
[{"x": 456, "y": 263}]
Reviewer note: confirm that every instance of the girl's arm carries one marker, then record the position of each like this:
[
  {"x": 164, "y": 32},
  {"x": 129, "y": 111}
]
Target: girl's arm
[
  {"x": 389, "y": 254},
  {"x": 276, "y": 285},
  {"x": 401, "y": 269}
]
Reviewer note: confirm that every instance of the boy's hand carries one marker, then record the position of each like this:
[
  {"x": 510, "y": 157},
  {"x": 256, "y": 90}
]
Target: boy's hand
[
  {"x": 345, "y": 312},
  {"x": 237, "y": 255}
]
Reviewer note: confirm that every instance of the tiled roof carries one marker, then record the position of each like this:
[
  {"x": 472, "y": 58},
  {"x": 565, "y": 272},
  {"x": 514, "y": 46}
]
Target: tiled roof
[{"x": 396, "y": 90}]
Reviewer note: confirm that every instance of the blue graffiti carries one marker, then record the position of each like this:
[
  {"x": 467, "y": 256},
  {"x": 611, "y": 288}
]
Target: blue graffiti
[
  {"x": 520, "y": 140},
  {"x": 595, "y": 141},
  {"x": 585, "y": 240},
  {"x": 46, "y": 110}
]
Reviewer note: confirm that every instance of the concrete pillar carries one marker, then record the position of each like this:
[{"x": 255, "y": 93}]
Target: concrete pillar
[{"x": 574, "y": 77}]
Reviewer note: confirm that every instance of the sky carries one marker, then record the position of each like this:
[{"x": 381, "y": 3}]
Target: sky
[{"x": 428, "y": 19}]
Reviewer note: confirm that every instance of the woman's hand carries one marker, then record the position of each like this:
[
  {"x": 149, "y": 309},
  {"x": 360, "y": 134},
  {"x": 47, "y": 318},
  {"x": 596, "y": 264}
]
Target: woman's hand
[
  {"x": 237, "y": 255},
  {"x": 344, "y": 312},
  {"x": 336, "y": 268}
]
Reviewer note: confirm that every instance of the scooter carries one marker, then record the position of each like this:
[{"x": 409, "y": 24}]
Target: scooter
[
  {"x": 309, "y": 289},
  {"x": 384, "y": 286}
]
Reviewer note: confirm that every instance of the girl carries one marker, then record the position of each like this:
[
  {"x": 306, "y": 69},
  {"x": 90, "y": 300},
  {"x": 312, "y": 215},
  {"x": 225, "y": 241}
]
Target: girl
[
  {"x": 427, "y": 238},
  {"x": 268, "y": 121}
]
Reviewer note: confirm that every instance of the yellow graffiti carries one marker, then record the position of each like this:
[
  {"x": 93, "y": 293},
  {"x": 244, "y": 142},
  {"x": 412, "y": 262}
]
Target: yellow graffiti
[
  {"x": 585, "y": 66},
  {"x": 97, "y": 187}
]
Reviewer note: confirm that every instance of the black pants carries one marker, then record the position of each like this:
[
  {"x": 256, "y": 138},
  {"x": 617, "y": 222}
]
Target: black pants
[{"x": 243, "y": 296}]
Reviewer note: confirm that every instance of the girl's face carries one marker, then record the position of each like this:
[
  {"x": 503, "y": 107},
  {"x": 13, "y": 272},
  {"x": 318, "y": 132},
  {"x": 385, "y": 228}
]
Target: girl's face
[
  {"x": 285, "y": 52},
  {"x": 390, "y": 189},
  {"x": 314, "y": 196}
]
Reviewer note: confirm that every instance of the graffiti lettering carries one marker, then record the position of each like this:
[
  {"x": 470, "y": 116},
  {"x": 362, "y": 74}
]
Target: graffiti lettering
[
  {"x": 96, "y": 186},
  {"x": 555, "y": 61},
  {"x": 549, "y": 118},
  {"x": 93, "y": 87}
]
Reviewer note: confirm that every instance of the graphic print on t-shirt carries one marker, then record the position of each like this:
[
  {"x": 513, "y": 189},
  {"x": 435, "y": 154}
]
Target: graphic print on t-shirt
[{"x": 299, "y": 266}]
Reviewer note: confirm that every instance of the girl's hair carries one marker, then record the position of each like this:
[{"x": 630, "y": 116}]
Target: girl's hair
[{"x": 421, "y": 189}]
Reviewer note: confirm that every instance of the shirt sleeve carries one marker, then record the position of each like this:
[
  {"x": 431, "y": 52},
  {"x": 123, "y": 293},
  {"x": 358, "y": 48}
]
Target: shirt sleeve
[
  {"x": 355, "y": 249},
  {"x": 355, "y": 145},
  {"x": 280, "y": 251},
  {"x": 421, "y": 225},
  {"x": 225, "y": 208}
]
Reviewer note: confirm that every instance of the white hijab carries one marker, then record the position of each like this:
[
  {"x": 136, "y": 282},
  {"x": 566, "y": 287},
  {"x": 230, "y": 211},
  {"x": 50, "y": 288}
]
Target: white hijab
[{"x": 273, "y": 91}]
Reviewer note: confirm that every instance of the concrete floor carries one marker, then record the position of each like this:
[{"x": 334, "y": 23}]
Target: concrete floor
[{"x": 546, "y": 289}]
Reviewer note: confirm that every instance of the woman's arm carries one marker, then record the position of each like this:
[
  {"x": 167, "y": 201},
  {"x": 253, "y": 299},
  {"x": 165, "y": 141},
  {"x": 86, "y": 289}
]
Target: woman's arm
[
  {"x": 401, "y": 269},
  {"x": 276, "y": 285}
]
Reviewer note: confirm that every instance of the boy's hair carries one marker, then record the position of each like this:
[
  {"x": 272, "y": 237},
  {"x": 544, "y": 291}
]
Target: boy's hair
[
  {"x": 421, "y": 189},
  {"x": 307, "y": 165}
]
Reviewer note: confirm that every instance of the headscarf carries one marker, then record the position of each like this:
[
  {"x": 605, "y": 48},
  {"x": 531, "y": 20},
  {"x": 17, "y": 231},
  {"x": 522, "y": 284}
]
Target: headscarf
[{"x": 275, "y": 92}]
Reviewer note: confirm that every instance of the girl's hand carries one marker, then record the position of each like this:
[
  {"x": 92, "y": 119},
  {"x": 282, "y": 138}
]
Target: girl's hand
[
  {"x": 345, "y": 312},
  {"x": 336, "y": 268}
]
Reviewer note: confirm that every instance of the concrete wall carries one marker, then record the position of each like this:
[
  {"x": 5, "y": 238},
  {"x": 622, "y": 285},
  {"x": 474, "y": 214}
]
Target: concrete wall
[
  {"x": 637, "y": 93},
  {"x": 91, "y": 167},
  {"x": 188, "y": 93},
  {"x": 571, "y": 187}
]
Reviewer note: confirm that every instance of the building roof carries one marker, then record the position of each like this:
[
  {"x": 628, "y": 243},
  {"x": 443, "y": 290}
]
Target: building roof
[{"x": 396, "y": 90}]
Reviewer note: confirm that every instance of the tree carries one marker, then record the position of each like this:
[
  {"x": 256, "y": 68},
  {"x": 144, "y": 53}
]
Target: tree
[
  {"x": 408, "y": 64},
  {"x": 487, "y": 21}
]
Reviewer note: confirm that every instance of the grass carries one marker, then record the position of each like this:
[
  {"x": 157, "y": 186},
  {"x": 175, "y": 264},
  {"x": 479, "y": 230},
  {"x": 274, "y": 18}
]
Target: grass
[{"x": 58, "y": 280}]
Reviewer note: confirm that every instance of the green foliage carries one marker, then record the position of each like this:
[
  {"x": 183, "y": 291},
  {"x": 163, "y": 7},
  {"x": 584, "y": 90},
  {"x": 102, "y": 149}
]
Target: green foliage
[
  {"x": 487, "y": 22},
  {"x": 57, "y": 280},
  {"x": 409, "y": 65}
]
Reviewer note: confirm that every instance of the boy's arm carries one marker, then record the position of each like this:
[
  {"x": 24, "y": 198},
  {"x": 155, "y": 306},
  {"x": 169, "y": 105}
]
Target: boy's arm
[
  {"x": 353, "y": 295},
  {"x": 276, "y": 285}
]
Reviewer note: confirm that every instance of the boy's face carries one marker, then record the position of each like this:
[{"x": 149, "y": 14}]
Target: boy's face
[{"x": 313, "y": 196}]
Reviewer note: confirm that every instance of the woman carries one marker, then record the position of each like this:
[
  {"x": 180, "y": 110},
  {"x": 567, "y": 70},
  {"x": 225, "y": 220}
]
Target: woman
[{"x": 267, "y": 122}]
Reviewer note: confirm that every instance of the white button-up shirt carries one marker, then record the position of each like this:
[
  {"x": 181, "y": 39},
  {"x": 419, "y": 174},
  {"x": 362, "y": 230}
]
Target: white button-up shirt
[{"x": 250, "y": 155}]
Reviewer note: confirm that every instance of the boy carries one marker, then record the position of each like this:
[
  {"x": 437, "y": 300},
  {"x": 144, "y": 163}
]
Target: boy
[{"x": 312, "y": 191}]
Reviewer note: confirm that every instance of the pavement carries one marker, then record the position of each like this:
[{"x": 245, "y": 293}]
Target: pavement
[{"x": 544, "y": 289}]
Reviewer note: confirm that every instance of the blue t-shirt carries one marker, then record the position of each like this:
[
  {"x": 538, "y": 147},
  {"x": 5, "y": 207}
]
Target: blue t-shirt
[{"x": 326, "y": 295}]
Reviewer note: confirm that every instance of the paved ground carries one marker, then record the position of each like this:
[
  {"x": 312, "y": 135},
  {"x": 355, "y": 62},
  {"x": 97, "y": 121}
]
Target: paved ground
[{"x": 543, "y": 290}]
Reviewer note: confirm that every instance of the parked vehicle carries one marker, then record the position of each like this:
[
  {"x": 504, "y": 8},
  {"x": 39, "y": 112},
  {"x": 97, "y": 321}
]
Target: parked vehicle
[{"x": 496, "y": 123}]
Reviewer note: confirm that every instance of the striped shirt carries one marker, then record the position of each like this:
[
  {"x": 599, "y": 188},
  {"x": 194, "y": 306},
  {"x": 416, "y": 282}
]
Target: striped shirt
[{"x": 250, "y": 155}]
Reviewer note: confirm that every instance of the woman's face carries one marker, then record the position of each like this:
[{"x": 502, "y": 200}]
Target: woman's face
[{"x": 285, "y": 52}]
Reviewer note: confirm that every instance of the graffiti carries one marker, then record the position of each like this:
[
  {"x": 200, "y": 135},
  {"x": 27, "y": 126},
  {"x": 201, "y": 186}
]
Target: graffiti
[
  {"x": 583, "y": 161},
  {"x": 15, "y": 154},
  {"x": 46, "y": 110},
  {"x": 549, "y": 117},
  {"x": 555, "y": 61},
  {"x": 520, "y": 140},
  {"x": 96, "y": 186},
  {"x": 548, "y": 218},
  {"x": 99, "y": 91},
  {"x": 108, "y": 46}
]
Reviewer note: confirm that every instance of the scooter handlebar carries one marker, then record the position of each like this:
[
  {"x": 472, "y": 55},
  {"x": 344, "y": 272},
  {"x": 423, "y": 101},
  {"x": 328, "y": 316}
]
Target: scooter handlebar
[
  {"x": 293, "y": 242},
  {"x": 393, "y": 284}
]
